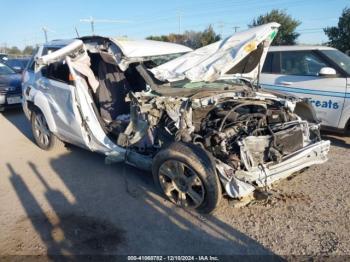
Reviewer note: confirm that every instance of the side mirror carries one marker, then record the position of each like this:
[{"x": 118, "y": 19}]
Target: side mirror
[{"x": 327, "y": 72}]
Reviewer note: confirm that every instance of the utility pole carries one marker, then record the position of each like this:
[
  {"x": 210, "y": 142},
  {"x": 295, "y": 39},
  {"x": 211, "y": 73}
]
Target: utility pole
[
  {"x": 236, "y": 28},
  {"x": 76, "y": 31},
  {"x": 45, "y": 33},
  {"x": 92, "y": 22},
  {"x": 179, "y": 16},
  {"x": 221, "y": 26}
]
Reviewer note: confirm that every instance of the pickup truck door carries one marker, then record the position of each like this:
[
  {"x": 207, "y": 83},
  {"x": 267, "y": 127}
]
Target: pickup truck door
[{"x": 296, "y": 72}]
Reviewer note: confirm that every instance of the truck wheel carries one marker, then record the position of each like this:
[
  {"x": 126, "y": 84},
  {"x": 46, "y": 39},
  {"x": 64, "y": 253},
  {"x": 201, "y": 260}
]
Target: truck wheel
[
  {"x": 187, "y": 176},
  {"x": 347, "y": 129},
  {"x": 43, "y": 137}
]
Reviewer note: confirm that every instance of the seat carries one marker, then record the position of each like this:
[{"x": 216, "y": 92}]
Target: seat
[{"x": 111, "y": 91}]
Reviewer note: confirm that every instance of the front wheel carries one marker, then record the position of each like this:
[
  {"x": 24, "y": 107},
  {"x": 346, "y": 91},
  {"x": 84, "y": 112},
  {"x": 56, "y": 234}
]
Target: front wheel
[
  {"x": 186, "y": 175},
  {"x": 43, "y": 137}
]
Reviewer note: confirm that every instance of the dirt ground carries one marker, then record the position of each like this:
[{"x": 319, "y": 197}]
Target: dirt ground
[{"x": 70, "y": 202}]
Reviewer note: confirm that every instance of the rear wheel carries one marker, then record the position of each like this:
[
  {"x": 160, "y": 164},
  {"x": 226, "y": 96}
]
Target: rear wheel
[
  {"x": 43, "y": 137},
  {"x": 187, "y": 177}
]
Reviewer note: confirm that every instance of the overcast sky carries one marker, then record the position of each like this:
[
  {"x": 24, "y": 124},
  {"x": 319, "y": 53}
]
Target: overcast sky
[{"x": 22, "y": 21}]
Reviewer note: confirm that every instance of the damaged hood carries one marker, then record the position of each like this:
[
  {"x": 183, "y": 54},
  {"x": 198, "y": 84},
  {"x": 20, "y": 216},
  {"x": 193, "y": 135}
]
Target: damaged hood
[{"x": 239, "y": 54}]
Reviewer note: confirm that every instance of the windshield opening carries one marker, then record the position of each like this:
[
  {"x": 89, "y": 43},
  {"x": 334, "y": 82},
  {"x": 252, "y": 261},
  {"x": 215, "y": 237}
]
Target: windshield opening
[
  {"x": 339, "y": 58},
  {"x": 151, "y": 62},
  {"x": 6, "y": 70},
  {"x": 220, "y": 83}
]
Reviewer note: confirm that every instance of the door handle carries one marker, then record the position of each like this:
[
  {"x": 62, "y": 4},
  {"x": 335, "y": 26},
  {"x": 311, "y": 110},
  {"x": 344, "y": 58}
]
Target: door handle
[{"x": 284, "y": 83}]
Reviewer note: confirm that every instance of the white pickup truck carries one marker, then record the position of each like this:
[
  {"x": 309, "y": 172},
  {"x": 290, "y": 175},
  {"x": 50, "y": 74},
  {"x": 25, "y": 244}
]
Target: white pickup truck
[{"x": 319, "y": 73}]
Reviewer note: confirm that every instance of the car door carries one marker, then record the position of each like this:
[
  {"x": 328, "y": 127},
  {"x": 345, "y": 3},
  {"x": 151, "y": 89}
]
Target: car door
[
  {"x": 297, "y": 72},
  {"x": 67, "y": 80},
  {"x": 54, "y": 82}
]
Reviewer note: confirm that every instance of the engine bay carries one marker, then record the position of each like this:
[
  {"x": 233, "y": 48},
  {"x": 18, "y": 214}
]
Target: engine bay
[{"x": 242, "y": 133}]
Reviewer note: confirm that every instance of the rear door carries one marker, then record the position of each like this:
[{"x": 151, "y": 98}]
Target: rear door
[
  {"x": 296, "y": 72},
  {"x": 54, "y": 82},
  {"x": 68, "y": 82}
]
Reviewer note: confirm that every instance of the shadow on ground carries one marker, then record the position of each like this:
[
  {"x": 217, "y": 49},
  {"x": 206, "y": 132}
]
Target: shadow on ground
[
  {"x": 17, "y": 118},
  {"x": 116, "y": 210},
  {"x": 339, "y": 140}
]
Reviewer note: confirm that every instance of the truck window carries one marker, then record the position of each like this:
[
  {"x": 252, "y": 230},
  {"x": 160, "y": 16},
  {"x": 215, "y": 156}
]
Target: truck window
[
  {"x": 272, "y": 63},
  {"x": 303, "y": 63},
  {"x": 31, "y": 64},
  {"x": 58, "y": 71},
  {"x": 49, "y": 50}
]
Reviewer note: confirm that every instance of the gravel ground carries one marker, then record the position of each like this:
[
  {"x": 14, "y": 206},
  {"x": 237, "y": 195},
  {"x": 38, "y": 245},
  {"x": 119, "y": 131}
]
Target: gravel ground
[
  {"x": 70, "y": 202},
  {"x": 307, "y": 214}
]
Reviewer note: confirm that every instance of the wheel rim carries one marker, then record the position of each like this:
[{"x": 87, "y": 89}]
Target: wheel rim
[
  {"x": 181, "y": 184},
  {"x": 41, "y": 130}
]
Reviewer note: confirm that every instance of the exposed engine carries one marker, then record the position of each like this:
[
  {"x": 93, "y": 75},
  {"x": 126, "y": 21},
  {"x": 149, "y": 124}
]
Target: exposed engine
[
  {"x": 242, "y": 133},
  {"x": 265, "y": 128}
]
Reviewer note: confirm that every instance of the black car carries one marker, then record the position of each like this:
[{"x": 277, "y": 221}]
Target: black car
[
  {"x": 10, "y": 87},
  {"x": 18, "y": 64}
]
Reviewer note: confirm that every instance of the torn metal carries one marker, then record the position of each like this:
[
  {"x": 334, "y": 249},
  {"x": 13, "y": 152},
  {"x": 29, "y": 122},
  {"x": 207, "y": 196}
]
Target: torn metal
[{"x": 239, "y": 54}]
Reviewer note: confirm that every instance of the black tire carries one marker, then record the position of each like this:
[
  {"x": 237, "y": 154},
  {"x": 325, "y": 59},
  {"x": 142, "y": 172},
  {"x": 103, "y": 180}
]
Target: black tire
[
  {"x": 46, "y": 140},
  {"x": 197, "y": 164},
  {"x": 347, "y": 129}
]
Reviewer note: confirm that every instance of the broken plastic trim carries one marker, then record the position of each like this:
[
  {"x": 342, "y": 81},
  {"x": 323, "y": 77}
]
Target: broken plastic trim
[{"x": 60, "y": 54}]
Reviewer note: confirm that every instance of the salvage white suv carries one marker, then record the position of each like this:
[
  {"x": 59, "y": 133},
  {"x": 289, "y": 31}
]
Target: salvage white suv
[{"x": 198, "y": 134}]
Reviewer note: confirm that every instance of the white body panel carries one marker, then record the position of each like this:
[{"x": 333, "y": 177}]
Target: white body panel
[
  {"x": 327, "y": 95},
  {"x": 148, "y": 48}
]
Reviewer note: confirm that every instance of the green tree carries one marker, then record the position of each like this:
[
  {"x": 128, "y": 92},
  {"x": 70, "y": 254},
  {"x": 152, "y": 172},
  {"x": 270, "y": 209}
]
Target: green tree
[
  {"x": 339, "y": 36},
  {"x": 163, "y": 38},
  {"x": 209, "y": 36},
  {"x": 28, "y": 50},
  {"x": 14, "y": 50},
  {"x": 286, "y": 33},
  {"x": 193, "y": 39}
]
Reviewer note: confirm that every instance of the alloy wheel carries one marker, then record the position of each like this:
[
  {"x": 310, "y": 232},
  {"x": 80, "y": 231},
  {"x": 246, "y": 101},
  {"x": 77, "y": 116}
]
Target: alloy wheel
[
  {"x": 181, "y": 184},
  {"x": 41, "y": 130}
]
